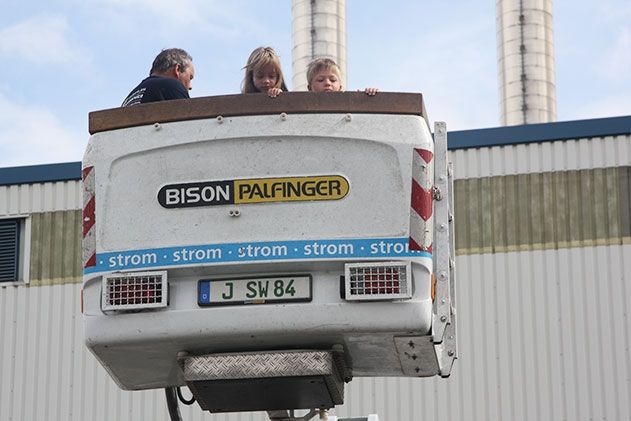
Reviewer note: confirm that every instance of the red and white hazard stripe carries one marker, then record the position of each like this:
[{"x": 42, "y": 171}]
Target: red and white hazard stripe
[
  {"x": 89, "y": 238},
  {"x": 421, "y": 206}
]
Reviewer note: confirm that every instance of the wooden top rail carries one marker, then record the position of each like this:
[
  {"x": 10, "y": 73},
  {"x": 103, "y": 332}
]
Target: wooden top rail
[{"x": 256, "y": 104}]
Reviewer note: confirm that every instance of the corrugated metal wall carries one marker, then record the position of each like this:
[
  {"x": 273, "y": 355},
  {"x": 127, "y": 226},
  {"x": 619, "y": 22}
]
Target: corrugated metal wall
[
  {"x": 575, "y": 208},
  {"x": 40, "y": 197},
  {"x": 543, "y": 335},
  {"x": 577, "y": 154},
  {"x": 544, "y": 329},
  {"x": 55, "y": 242},
  {"x": 55, "y": 245}
]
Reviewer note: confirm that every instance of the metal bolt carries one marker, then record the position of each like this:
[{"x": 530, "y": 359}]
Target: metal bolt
[
  {"x": 442, "y": 227},
  {"x": 219, "y": 119},
  {"x": 443, "y": 276},
  {"x": 437, "y": 194},
  {"x": 157, "y": 126},
  {"x": 283, "y": 116},
  {"x": 451, "y": 353},
  {"x": 443, "y": 319},
  {"x": 348, "y": 117},
  {"x": 234, "y": 212}
]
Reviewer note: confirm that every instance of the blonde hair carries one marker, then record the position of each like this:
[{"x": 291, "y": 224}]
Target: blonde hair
[
  {"x": 261, "y": 57},
  {"x": 318, "y": 65}
]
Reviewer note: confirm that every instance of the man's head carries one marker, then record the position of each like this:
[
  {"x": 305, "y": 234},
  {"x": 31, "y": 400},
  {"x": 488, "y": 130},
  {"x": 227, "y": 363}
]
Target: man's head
[
  {"x": 323, "y": 75},
  {"x": 175, "y": 63}
]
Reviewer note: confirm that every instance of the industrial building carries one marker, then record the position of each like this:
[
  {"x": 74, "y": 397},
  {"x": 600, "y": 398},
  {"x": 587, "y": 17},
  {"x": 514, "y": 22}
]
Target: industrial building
[
  {"x": 543, "y": 245},
  {"x": 542, "y": 241}
]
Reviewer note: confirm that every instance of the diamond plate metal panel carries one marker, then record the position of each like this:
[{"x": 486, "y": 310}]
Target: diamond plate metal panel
[
  {"x": 257, "y": 365},
  {"x": 267, "y": 380}
]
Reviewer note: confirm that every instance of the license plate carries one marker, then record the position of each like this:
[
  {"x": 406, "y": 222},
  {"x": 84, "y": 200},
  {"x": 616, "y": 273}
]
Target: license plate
[{"x": 256, "y": 290}]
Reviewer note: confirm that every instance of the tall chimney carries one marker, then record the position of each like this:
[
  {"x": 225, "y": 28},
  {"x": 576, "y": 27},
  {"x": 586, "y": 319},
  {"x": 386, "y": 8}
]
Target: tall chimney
[
  {"x": 525, "y": 61},
  {"x": 318, "y": 31}
]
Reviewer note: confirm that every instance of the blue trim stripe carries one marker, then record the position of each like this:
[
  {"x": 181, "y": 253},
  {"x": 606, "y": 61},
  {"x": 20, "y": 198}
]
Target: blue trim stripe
[
  {"x": 265, "y": 251},
  {"x": 464, "y": 139}
]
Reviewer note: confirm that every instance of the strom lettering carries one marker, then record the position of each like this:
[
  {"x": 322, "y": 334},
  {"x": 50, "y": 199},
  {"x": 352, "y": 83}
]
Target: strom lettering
[
  {"x": 140, "y": 259},
  {"x": 196, "y": 254},
  {"x": 383, "y": 247},
  {"x": 328, "y": 249},
  {"x": 261, "y": 251}
]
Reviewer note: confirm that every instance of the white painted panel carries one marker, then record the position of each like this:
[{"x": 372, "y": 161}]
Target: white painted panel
[
  {"x": 42, "y": 197},
  {"x": 599, "y": 152}
]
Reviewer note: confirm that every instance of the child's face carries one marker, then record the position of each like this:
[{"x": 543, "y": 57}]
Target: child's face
[
  {"x": 265, "y": 78},
  {"x": 327, "y": 80}
]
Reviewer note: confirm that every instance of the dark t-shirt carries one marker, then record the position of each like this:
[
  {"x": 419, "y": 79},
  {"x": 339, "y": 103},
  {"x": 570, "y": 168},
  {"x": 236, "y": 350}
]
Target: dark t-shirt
[{"x": 156, "y": 88}]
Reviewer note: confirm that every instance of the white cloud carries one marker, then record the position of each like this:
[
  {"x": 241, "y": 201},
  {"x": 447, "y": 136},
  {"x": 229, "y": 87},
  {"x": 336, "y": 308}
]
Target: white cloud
[
  {"x": 218, "y": 19},
  {"x": 33, "y": 135},
  {"x": 614, "y": 11},
  {"x": 41, "y": 40},
  {"x": 454, "y": 68},
  {"x": 602, "y": 106},
  {"x": 185, "y": 12},
  {"x": 618, "y": 59}
]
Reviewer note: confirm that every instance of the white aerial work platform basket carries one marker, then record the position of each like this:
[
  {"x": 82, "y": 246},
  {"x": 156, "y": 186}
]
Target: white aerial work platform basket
[{"x": 241, "y": 244}]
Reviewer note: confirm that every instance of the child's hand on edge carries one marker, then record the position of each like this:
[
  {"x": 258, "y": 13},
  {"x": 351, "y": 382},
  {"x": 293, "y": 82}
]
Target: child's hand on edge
[{"x": 274, "y": 92}]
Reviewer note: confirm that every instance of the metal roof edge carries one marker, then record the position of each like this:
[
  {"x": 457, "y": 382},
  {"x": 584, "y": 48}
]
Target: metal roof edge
[
  {"x": 40, "y": 173},
  {"x": 542, "y": 132},
  {"x": 462, "y": 139}
]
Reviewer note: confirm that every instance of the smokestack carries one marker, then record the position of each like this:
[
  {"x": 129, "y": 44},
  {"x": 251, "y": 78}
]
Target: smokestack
[
  {"x": 318, "y": 31},
  {"x": 526, "y": 61}
]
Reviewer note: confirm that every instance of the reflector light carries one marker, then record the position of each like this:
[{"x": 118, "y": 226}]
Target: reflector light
[
  {"x": 136, "y": 290},
  {"x": 378, "y": 281}
]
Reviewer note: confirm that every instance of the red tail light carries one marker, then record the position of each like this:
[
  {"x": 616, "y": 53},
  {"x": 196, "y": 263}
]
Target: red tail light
[
  {"x": 130, "y": 291},
  {"x": 378, "y": 280}
]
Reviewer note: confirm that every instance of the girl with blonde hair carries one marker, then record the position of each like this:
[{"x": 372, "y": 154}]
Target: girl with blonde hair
[{"x": 263, "y": 73}]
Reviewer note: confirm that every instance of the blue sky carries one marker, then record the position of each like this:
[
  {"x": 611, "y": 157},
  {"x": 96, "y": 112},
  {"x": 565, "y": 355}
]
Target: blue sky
[{"x": 64, "y": 58}]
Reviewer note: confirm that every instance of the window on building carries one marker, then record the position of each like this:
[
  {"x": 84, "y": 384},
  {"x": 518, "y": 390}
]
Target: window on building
[{"x": 9, "y": 250}]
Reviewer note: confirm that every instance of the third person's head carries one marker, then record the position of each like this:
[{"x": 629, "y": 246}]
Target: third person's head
[{"x": 323, "y": 75}]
